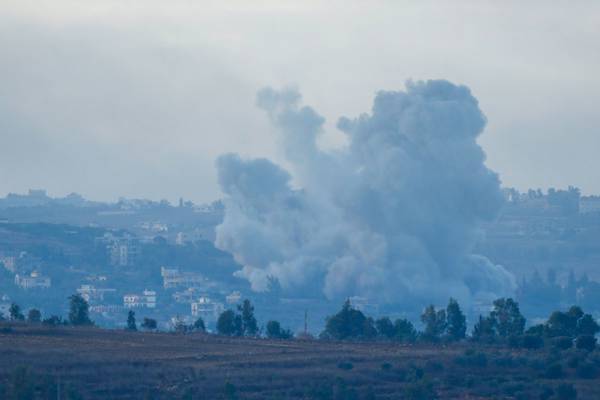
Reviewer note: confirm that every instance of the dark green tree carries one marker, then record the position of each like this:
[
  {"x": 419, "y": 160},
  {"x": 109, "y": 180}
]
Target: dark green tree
[
  {"x": 484, "y": 329},
  {"x": 275, "y": 331},
  {"x": 587, "y": 325},
  {"x": 229, "y": 324},
  {"x": 585, "y": 342},
  {"x": 507, "y": 318},
  {"x": 349, "y": 323},
  {"x": 434, "y": 322},
  {"x": 199, "y": 325},
  {"x": 456, "y": 322},
  {"x": 131, "y": 324},
  {"x": 34, "y": 316},
  {"x": 404, "y": 331},
  {"x": 249, "y": 324},
  {"x": 149, "y": 324},
  {"x": 79, "y": 311},
  {"x": 385, "y": 328},
  {"x": 15, "y": 312}
]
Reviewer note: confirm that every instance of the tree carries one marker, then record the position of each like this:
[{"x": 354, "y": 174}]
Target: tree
[
  {"x": 587, "y": 325},
  {"x": 131, "y": 324},
  {"x": 34, "y": 316},
  {"x": 15, "y": 312},
  {"x": 434, "y": 322},
  {"x": 349, "y": 323},
  {"x": 484, "y": 329},
  {"x": 585, "y": 342},
  {"x": 79, "y": 311},
  {"x": 229, "y": 324},
  {"x": 385, "y": 328},
  {"x": 404, "y": 331},
  {"x": 571, "y": 323},
  {"x": 149, "y": 324},
  {"x": 199, "y": 325},
  {"x": 275, "y": 331},
  {"x": 507, "y": 318},
  {"x": 249, "y": 324},
  {"x": 456, "y": 322}
]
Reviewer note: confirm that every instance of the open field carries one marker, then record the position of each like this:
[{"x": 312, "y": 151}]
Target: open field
[{"x": 105, "y": 364}]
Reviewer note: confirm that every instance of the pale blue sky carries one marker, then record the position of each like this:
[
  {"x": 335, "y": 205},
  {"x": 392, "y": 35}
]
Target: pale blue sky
[{"x": 137, "y": 98}]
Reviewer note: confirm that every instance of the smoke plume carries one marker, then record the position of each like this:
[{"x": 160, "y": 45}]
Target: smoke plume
[{"x": 393, "y": 215}]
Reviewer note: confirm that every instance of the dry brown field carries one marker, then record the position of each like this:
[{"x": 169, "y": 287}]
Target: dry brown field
[{"x": 111, "y": 364}]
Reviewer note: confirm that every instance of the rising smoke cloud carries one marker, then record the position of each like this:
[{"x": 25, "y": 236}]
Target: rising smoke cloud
[{"x": 393, "y": 215}]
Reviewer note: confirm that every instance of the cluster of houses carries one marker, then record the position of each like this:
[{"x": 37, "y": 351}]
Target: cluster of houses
[
  {"x": 186, "y": 289},
  {"x": 26, "y": 270}
]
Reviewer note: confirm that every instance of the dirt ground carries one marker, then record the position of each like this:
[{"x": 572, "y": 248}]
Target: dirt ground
[{"x": 110, "y": 364}]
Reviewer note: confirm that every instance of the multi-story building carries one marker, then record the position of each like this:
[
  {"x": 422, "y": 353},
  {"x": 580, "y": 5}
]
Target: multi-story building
[
  {"x": 188, "y": 295},
  {"x": 206, "y": 308},
  {"x": 33, "y": 281},
  {"x": 92, "y": 294},
  {"x": 173, "y": 278},
  {"x": 233, "y": 297},
  {"x": 145, "y": 300},
  {"x": 123, "y": 251}
]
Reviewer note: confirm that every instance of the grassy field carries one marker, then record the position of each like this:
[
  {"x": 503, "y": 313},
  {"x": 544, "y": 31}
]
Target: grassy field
[{"x": 109, "y": 364}]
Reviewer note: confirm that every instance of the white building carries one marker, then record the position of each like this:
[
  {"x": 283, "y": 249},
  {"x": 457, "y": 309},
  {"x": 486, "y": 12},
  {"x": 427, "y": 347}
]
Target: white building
[
  {"x": 122, "y": 251},
  {"x": 9, "y": 263},
  {"x": 33, "y": 281},
  {"x": 233, "y": 297},
  {"x": 173, "y": 278},
  {"x": 188, "y": 295},
  {"x": 145, "y": 300},
  {"x": 91, "y": 293},
  {"x": 206, "y": 308}
]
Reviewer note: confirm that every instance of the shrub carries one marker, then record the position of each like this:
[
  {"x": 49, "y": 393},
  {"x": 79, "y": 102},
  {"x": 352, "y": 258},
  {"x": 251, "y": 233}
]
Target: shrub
[
  {"x": 386, "y": 366},
  {"x": 149, "y": 324},
  {"x": 434, "y": 366},
  {"x": 345, "y": 365},
  {"x": 587, "y": 371},
  {"x": 230, "y": 391},
  {"x": 472, "y": 359},
  {"x": 53, "y": 320},
  {"x": 419, "y": 391},
  {"x": 547, "y": 393},
  {"x": 507, "y": 361},
  {"x": 554, "y": 371},
  {"x": 566, "y": 391},
  {"x": 586, "y": 342}
]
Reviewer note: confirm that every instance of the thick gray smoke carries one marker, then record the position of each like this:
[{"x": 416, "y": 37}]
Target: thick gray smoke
[{"x": 394, "y": 215}]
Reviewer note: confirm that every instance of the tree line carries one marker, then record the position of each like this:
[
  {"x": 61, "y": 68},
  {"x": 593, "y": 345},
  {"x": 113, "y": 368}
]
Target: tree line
[{"x": 504, "y": 324}]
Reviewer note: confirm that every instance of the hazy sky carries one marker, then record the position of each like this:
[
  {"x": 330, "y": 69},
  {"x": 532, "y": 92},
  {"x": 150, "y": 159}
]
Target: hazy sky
[{"x": 138, "y": 98}]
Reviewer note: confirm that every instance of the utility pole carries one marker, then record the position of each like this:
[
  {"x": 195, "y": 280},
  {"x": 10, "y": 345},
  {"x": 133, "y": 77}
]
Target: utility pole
[{"x": 305, "y": 322}]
